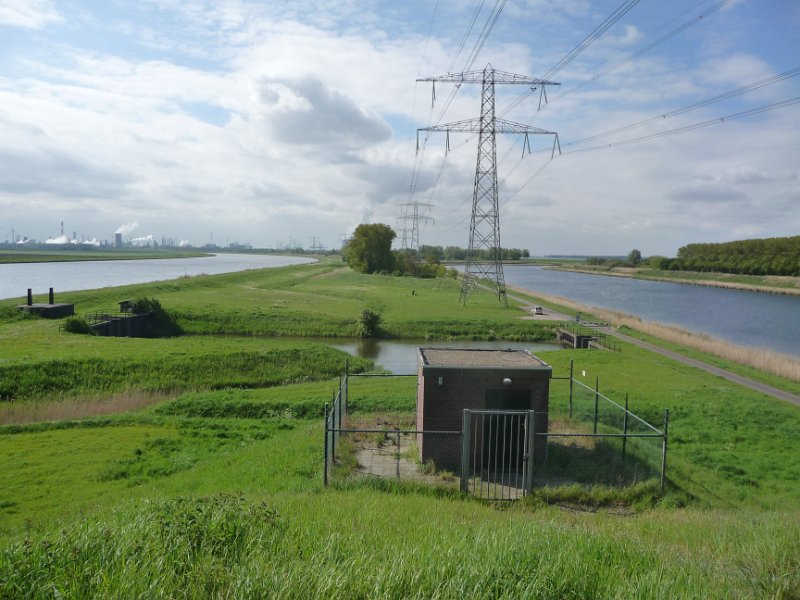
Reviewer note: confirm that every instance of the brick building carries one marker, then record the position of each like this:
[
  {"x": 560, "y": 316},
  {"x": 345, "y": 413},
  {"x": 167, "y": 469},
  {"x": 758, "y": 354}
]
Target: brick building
[{"x": 450, "y": 380}]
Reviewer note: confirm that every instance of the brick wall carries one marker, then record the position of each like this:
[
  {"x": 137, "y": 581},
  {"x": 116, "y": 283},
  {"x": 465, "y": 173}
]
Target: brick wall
[{"x": 444, "y": 392}]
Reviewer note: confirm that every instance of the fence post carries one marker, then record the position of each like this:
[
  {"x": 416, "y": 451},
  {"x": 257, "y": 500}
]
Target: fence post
[
  {"x": 398, "y": 454},
  {"x": 571, "y": 376},
  {"x": 625, "y": 428},
  {"x": 325, "y": 468},
  {"x": 596, "y": 398},
  {"x": 530, "y": 455},
  {"x": 345, "y": 389},
  {"x": 465, "y": 429},
  {"x": 664, "y": 449}
]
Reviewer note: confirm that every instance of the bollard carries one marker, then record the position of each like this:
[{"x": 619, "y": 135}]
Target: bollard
[{"x": 51, "y": 297}]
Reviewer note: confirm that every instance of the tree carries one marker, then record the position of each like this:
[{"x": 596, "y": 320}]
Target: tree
[
  {"x": 634, "y": 257},
  {"x": 370, "y": 249}
]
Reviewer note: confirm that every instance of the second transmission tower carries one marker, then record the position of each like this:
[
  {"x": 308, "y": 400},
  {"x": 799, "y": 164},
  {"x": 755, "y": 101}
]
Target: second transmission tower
[
  {"x": 410, "y": 212},
  {"x": 484, "y": 254}
]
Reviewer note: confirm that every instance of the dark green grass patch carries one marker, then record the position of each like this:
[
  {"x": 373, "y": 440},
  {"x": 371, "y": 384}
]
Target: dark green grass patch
[{"x": 93, "y": 377}]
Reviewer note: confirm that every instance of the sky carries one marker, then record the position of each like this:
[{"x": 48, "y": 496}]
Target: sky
[{"x": 290, "y": 123}]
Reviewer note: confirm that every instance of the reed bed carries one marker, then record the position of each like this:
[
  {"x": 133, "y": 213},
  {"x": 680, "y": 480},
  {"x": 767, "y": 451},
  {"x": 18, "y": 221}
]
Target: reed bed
[{"x": 20, "y": 413}]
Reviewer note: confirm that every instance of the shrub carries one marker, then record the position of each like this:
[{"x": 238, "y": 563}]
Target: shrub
[
  {"x": 162, "y": 324},
  {"x": 76, "y": 325},
  {"x": 370, "y": 324}
]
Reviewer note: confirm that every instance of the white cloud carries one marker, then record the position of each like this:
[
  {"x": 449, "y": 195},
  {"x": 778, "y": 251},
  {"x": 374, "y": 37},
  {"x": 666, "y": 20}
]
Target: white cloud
[
  {"x": 267, "y": 120},
  {"x": 28, "y": 14}
]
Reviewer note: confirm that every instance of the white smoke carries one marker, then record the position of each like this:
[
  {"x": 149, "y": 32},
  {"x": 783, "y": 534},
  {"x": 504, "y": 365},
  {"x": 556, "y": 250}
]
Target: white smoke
[
  {"x": 62, "y": 239},
  {"x": 91, "y": 242},
  {"x": 145, "y": 240},
  {"x": 184, "y": 244},
  {"x": 127, "y": 228}
]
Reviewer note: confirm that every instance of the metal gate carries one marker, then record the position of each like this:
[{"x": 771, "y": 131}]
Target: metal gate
[{"x": 497, "y": 454}]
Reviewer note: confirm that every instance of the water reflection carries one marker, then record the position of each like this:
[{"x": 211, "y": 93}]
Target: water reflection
[{"x": 400, "y": 356}]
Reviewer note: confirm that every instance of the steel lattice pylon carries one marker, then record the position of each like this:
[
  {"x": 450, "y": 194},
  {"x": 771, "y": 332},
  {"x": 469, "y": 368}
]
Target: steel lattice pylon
[{"x": 484, "y": 230}]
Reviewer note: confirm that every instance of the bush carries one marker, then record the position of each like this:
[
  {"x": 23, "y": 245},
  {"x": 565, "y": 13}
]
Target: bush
[
  {"x": 162, "y": 324},
  {"x": 76, "y": 325},
  {"x": 370, "y": 324}
]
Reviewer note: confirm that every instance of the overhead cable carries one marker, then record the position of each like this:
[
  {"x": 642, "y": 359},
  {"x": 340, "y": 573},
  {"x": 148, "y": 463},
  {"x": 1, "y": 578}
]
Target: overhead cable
[
  {"x": 707, "y": 102},
  {"x": 739, "y": 115}
]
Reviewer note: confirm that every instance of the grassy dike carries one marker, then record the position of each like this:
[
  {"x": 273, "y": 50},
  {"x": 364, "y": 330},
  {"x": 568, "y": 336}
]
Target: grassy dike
[
  {"x": 31, "y": 255},
  {"x": 214, "y": 489}
]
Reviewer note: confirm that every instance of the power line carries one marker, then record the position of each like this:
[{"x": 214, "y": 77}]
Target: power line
[
  {"x": 707, "y": 102},
  {"x": 598, "y": 31},
  {"x": 620, "y": 12},
  {"x": 466, "y": 35},
  {"x": 637, "y": 53},
  {"x": 739, "y": 115},
  {"x": 699, "y": 125}
]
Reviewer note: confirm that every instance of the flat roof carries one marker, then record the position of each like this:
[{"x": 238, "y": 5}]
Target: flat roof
[{"x": 472, "y": 357}]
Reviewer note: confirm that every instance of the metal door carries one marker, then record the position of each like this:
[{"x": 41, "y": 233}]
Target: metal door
[{"x": 497, "y": 453}]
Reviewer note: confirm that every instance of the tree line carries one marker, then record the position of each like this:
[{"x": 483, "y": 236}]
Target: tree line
[
  {"x": 370, "y": 251},
  {"x": 770, "y": 256}
]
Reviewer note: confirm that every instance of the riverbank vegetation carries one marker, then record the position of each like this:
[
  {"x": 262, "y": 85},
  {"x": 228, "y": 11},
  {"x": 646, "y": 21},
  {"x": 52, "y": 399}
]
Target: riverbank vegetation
[
  {"x": 768, "y": 265},
  {"x": 207, "y": 482}
]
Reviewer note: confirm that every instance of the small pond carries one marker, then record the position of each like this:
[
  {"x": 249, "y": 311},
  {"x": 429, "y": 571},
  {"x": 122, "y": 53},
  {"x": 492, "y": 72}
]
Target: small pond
[{"x": 400, "y": 356}]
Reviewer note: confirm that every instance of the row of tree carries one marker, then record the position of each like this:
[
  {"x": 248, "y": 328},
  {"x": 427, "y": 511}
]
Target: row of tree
[
  {"x": 457, "y": 253},
  {"x": 771, "y": 256},
  {"x": 370, "y": 251}
]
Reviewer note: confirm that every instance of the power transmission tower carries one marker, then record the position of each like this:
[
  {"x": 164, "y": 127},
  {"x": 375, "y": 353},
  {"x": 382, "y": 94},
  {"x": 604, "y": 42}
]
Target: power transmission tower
[
  {"x": 410, "y": 212},
  {"x": 484, "y": 230}
]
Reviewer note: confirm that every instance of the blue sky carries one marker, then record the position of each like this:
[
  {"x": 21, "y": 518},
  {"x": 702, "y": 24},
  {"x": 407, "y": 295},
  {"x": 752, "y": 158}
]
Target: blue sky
[{"x": 267, "y": 122}]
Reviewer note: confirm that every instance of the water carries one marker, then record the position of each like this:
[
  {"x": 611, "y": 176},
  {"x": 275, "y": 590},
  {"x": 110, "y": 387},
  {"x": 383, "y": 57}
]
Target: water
[
  {"x": 746, "y": 318},
  {"x": 15, "y": 279},
  {"x": 400, "y": 356}
]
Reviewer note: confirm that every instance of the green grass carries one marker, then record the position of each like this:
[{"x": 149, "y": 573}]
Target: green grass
[
  {"x": 170, "y": 366},
  {"x": 324, "y": 300},
  {"x": 217, "y": 491},
  {"x": 364, "y": 543}
]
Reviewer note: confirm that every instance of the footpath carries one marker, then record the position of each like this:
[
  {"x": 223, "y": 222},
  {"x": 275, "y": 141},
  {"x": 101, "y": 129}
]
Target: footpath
[{"x": 744, "y": 381}]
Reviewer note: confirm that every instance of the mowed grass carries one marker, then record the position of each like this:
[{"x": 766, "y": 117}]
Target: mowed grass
[{"x": 323, "y": 300}]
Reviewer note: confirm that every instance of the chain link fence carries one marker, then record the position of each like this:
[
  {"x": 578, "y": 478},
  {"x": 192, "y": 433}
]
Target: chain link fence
[{"x": 586, "y": 438}]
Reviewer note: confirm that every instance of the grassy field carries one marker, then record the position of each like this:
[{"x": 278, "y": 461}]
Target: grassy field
[{"x": 213, "y": 486}]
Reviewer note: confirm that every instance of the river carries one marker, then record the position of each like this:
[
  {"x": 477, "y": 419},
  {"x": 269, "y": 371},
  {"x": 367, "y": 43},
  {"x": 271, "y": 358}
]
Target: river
[
  {"x": 746, "y": 318},
  {"x": 15, "y": 279}
]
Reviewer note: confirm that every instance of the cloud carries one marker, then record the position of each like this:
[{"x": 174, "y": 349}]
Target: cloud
[
  {"x": 309, "y": 112},
  {"x": 57, "y": 173},
  {"x": 28, "y": 14}
]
